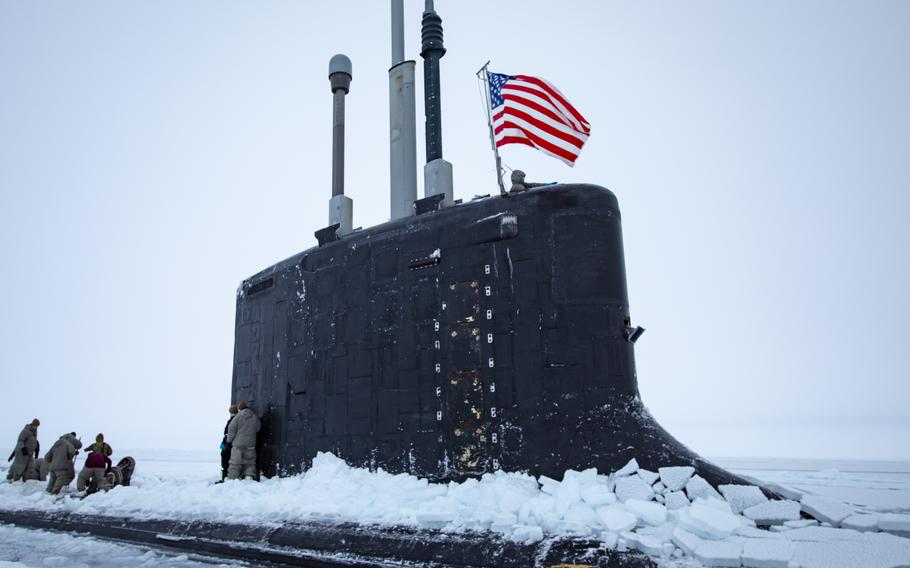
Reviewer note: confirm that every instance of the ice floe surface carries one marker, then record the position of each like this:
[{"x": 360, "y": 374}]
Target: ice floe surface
[
  {"x": 671, "y": 514},
  {"x": 25, "y": 548}
]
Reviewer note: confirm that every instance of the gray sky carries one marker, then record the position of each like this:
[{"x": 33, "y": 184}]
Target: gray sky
[{"x": 154, "y": 154}]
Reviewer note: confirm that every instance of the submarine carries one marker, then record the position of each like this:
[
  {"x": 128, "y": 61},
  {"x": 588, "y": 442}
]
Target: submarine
[{"x": 458, "y": 338}]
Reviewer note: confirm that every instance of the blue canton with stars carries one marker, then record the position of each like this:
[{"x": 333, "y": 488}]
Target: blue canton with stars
[{"x": 496, "y": 81}]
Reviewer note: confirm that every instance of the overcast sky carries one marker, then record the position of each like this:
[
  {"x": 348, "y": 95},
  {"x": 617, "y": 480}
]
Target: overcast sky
[{"x": 154, "y": 154}]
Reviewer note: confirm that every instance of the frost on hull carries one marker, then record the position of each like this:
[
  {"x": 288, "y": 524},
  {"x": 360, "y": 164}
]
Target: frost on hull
[{"x": 489, "y": 335}]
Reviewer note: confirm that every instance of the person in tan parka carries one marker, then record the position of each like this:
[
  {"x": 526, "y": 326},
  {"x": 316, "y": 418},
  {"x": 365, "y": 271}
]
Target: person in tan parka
[
  {"x": 60, "y": 459},
  {"x": 241, "y": 435},
  {"x": 25, "y": 453}
]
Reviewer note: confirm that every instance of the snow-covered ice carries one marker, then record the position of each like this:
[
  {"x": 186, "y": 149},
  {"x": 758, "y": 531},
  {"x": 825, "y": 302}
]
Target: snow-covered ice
[
  {"x": 773, "y": 512},
  {"x": 633, "y": 487},
  {"x": 628, "y": 469},
  {"x": 25, "y": 548},
  {"x": 720, "y": 552},
  {"x": 675, "y": 478},
  {"x": 708, "y": 522},
  {"x": 697, "y": 487},
  {"x": 676, "y": 500},
  {"x": 861, "y": 522},
  {"x": 825, "y": 509},
  {"x": 648, "y": 477},
  {"x": 767, "y": 552},
  {"x": 894, "y": 522},
  {"x": 617, "y": 518},
  {"x": 620, "y": 510},
  {"x": 741, "y": 497},
  {"x": 648, "y": 512}
]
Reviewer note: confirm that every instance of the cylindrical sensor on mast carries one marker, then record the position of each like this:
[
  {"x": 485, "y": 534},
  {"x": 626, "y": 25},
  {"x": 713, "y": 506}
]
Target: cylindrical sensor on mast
[{"x": 341, "y": 207}]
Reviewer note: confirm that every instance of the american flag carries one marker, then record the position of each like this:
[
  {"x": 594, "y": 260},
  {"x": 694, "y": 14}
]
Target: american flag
[{"x": 530, "y": 111}]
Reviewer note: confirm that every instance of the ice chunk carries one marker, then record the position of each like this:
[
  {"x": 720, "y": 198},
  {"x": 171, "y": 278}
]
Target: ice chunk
[
  {"x": 697, "y": 487},
  {"x": 675, "y": 478},
  {"x": 616, "y": 519},
  {"x": 658, "y": 487},
  {"x": 785, "y": 491},
  {"x": 566, "y": 495},
  {"x": 801, "y": 523},
  {"x": 527, "y": 534},
  {"x": 719, "y": 552},
  {"x": 741, "y": 497},
  {"x": 597, "y": 495},
  {"x": 633, "y": 487},
  {"x": 862, "y": 523},
  {"x": 822, "y": 534},
  {"x": 648, "y": 477},
  {"x": 581, "y": 513},
  {"x": 609, "y": 539},
  {"x": 708, "y": 522},
  {"x": 540, "y": 507},
  {"x": 659, "y": 498},
  {"x": 648, "y": 512},
  {"x": 676, "y": 500},
  {"x": 826, "y": 510},
  {"x": 767, "y": 552},
  {"x": 685, "y": 540},
  {"x": 571, "y": 528},
  {"x": 548, "y": 485},
  {"x": 752, "y": 532},
  {"x": 894, "y": 522},
  {"x": 434, "y": 520},
  {"x": 627, "y": 469},
  {"x": 866, "y": 550},
  {"x": 649, "y": 544},
  {"x": 585, "y": 477},
  {"x": 715, "y": 503},
  {"x": 773, "y": 512}
]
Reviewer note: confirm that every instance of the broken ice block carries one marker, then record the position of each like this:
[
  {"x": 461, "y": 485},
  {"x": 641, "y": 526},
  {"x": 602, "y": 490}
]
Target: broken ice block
[
  {"x": 698, "y": 487},
  {"x": 773, "y": 512},
  {"x": 767, "y": 553},
  {"x": 675, "y": 478},
  {"x": 633, "y": 487},
  {"x": 826, "y": 510},
  {"x": 741, "y": 497}
]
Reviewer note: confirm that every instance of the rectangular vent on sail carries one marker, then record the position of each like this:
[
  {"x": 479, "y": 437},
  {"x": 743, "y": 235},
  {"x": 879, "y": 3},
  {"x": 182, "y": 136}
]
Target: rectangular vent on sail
[
  {"x": 428, "y": 261},
  {"x": 260, "y": 286}
]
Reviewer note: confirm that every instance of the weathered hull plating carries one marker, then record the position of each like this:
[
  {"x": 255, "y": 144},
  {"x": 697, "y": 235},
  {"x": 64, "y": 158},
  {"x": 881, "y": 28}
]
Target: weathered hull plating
[{"x": 489, "y": 335}]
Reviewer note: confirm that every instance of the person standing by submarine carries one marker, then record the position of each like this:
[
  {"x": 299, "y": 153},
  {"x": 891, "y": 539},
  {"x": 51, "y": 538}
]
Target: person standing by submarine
[
  {"x": 26, "y": 451},
  {"x": 242, "y": 430},
  {"x": 225, "y": 445}
]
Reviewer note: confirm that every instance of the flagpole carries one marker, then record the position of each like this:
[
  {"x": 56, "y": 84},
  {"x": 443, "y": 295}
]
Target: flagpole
[{"x": 482, "y": 77}]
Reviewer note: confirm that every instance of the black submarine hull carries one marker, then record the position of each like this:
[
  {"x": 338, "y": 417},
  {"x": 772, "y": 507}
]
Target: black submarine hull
[
  {"x": 488, "y": 335},
  {"x": 326, "y": 544}
]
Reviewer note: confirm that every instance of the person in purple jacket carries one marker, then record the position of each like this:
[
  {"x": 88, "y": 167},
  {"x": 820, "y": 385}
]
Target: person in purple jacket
[{"x": 97, "y": 464}]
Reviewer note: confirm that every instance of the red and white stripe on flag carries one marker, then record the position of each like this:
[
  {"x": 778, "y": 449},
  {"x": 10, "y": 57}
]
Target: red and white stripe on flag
[{"x": 531, "y": 111}]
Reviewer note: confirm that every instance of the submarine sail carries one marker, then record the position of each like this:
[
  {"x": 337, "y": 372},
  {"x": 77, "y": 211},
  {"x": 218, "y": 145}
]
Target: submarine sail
[{"x": 456, "y": 339}]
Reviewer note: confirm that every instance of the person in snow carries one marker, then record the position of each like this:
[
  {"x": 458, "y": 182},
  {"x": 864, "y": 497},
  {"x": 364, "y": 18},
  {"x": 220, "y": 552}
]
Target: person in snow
[
  {"x": 40, "y": 470},
  {"x": 60, "y": 459},
  {"x": 225, "y": 445},
  {"x": 25, "y": 453},
  {"x": 100, "y": 446},
  {"x": 242, "y": 430},
  {"x": 97, "y": 464}
]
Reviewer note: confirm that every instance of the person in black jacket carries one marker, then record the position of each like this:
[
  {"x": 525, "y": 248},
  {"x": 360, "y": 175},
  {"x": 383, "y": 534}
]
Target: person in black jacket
[{"x": 225, "y": 445}]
